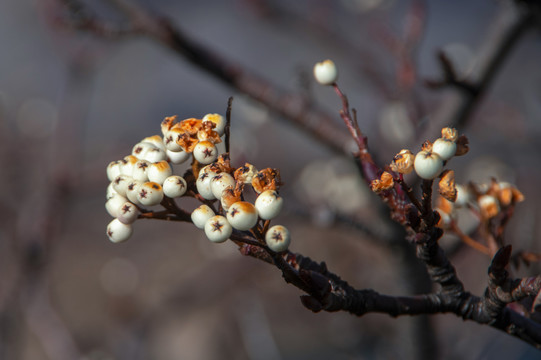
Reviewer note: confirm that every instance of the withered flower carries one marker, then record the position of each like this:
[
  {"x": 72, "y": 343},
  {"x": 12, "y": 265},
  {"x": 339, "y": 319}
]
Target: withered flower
[
  {"x": 447, "y": 187},
  {"x": 403, "y": 162},
  {"x": 266, "y": 179},
  {"x": 449, "y": 134},
  {"x": 186, "y": 142},
  {"x": 190, "y": 126},
  {"x": 168, "y": 123},
  {"x": 385, "y": 182}
]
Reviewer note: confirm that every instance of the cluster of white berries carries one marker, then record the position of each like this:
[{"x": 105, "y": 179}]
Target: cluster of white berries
[
  {"x": 218, "y": 181},
  {"x": 145, "y": 178}
]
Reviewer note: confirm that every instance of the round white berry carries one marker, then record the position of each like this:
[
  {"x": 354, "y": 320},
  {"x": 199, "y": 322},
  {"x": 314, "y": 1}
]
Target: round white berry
[
  {"x": 114, "y": 203},
  {"x": 203, "y": 184},
  {"x": 174, "y": 186},
  {"x": 155, "y": 140},
  {"x": 221, "y": 182},
  {"x": 128, "y": 164},
  {"x": 218, "y": 229},
  {"x": 141, "y": 149},
  {"x": 218, "y": 120},
  {"x": 132, "y": 190},
  {"x": 140, "y": 170},
  {"x": 150, "y": 193},
  {"x": 120, "y": 184},
  {"x": 118, "y": 232},
  {"x": 128, "y": 213},
  {"x": 171, "y": 138},
  {"x": 205, "y": 152},
  {"x": 242, "y": 215},
  {"x": 446, "y": 149},
  {"x": 177, "y": 157},
  {"x": 428, "y": 165},
  {"x": 113, "y": 170},
  {"x": 326, "y": 72},
  {"x": 278, "y": 238},
  {"x": 155, "y": 155},
  {"x": 159, "y": 171},
  {"x": 110, "y": 191},
  {"x": 269, "y": 204},
  {"x": 201, "y": 215}
]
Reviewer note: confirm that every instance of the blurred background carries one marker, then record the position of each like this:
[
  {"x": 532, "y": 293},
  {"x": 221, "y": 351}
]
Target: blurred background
[{"x": 71, "y": 102}]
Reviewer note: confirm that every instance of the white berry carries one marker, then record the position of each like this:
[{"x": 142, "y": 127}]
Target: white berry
[
  {"x": 428, "y": 165},
  {"x": 218, "y": 229},
  {"x": 221, "y": 182},
  {"x": 326, "y": 72},
  {"x": 150, "y": 193},
  {"x": 174, "y": 186},
  {"x": 278, "y": 238},
  {"x": 113, "y": 170},
  {"x": 242, "y": 215},
  {"x": 140, "y": 170},
  {"x": 205, "y": 152},
  {"x": 159, "y": 171},
  {"x": 128, "y": 213},
  {"x": 132, "y": 190},
  {"x": 114, "y": 203},
  {"x": 201, "y": 215},
  {"x": 118, "y": 232},
  {"x": 446, "y": 149},
  {"x": 203, "y": 184},
  {"x": 269, "y": 204},
  {"x": 177, "y": 157},
  {"x": 120, "y": 184}
]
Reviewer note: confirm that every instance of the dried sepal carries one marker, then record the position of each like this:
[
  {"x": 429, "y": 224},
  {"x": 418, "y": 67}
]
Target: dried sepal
[
  {"x": 167, "y": 123},
  {"x": 207, "y": 133},
  {"x": 427, "y": 146},
  {"x": 403, "y": 162},
  {"x": 245, "y": 174},
  {"x": 266, "y": 179},
  {"x": 462, "y": 147},
  {"x": 447, "y": 186},
  {"x": 186, "y": 142},
  {"x": 385, "y": 182},
  {"x": 189, "y": 126},
  {"x": 229, "y": 197},
  {"x": 449, "y": 134}
]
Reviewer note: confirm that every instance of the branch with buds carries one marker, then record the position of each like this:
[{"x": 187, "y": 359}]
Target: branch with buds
[{"x": 145, "y": 179}]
